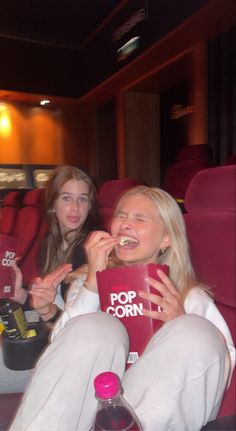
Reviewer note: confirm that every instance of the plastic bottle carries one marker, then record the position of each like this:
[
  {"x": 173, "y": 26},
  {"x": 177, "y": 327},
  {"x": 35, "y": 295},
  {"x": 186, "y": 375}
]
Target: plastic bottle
[
  {"x": 113, "y": 412},
  {"x": 13, "y": 318}
]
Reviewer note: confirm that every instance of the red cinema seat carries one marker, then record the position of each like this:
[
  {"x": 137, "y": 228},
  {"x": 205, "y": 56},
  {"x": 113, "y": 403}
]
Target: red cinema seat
[
  {"x": 189, "y": 160},
  {"x": 28, "y": 221},
  {"x": 193, "y": 152},
  {"x": 108, "y": 194},
  {"x": 30, "y": 266},
  {"x": 231, "y": 160},
  {"x": 10, "y": 206},
  {"x": 210, "y": 203}
]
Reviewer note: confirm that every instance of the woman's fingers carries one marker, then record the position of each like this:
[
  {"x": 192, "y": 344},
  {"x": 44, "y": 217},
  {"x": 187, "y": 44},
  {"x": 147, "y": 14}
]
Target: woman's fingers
[
  {"x": 98, "y": 248},
  {"x": 165, "y": 287},
  {"x": 59, "y": 273},
  {"x": 94, "y": 238},
  {"x": 166, "y": 303},
  {"x": 42, "y": 295},
  {"x": 99, "y": 239}
]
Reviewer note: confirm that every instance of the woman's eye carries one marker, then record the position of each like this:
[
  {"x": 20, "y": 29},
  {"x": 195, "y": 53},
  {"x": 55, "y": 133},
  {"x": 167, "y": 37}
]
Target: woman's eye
[
  {"x": 66, "y": 198},
  {"x": 83, "y": 200},
  {"x": 119, "y": 215}
]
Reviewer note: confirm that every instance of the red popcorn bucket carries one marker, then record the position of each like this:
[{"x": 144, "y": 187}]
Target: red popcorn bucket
[{"x": 118, "y": 292}]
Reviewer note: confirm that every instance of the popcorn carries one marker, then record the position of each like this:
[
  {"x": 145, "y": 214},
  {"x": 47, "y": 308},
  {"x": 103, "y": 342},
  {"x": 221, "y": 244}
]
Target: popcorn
[{"x": 125, "y": 240}]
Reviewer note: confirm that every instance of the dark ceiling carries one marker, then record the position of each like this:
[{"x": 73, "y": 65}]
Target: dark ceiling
[{"x": 62, "y": 23}]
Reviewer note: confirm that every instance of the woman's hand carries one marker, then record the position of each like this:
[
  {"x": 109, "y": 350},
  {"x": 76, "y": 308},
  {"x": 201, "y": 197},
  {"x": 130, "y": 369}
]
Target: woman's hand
[
  {"x": 169, "y": 305},
  {"x": 20, "y": 294},
  {"x": 43, "y": 290},
  {"x": 98, "y": 247}
]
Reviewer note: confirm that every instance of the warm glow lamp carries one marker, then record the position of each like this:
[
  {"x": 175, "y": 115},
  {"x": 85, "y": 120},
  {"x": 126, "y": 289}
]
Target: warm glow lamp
[{"x": 5, "y": 121}]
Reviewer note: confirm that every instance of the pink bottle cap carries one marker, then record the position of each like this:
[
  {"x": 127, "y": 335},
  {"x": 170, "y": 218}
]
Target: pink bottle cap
[{"x": 107, "y": 385}]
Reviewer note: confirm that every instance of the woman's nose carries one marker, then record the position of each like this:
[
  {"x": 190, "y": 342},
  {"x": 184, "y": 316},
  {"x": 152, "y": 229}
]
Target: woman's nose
[
  {"x": 75, "y": 205},
  {"x": 126, "y": 225}
]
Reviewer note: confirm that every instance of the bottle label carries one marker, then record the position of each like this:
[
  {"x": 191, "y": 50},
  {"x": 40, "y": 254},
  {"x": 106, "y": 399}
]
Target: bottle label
[
  {"x": 14, "y": 323},
  {"x": 20, "y": 321}
]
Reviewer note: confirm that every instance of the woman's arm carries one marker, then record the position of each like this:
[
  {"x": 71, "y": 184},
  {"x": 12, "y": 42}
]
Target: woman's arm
[
  {"x": 98, "y": 247},
  {"x": 20, "y": 294},
  {"x": 80, "y": 300},
  {"x": 43, "y": 292}
]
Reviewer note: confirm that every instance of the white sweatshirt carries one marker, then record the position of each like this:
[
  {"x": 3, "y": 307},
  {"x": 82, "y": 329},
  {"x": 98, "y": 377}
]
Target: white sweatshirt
[{"x": 80, "y": 300}]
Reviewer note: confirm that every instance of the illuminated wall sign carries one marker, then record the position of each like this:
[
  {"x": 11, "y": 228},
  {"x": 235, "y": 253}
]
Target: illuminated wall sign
[
  {"x": 41, "y": 176},
  {"x": 126, "y": 38},
  {"x": 177, "y": 111},
  {"x": 139, "y": 16},
  {"x": 150, "y": 20},
  {"x": 128, "y": 48},
  {"x": 12, "y": 178}
]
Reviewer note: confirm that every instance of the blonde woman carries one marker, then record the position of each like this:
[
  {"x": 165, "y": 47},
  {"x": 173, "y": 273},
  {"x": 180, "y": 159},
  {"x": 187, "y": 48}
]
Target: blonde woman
[{"x": 179, "y": 381}]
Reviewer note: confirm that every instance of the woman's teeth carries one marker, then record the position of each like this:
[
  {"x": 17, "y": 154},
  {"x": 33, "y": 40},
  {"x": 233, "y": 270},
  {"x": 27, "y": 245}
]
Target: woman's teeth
[{"x": 125, "y": 240}]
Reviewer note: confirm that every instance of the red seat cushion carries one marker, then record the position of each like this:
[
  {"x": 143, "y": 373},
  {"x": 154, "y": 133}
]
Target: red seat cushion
[
  {"x": 10, "y": 206},
  {"x": 210, "y": 203}
]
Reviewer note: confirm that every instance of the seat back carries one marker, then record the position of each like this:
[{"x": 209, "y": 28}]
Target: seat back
[
  {"x": 10, "y": 206},
  {"x": 194, "y": 152},
  {"x": 108, "y": 194},
  {"x": 28, "y": 221},
  {"x": 179, "y": 175},
  {"x": 189, "y": 160},
  {"x": 231, "y": 160},
  {"x": 210, "y": 203},
  {"x": 30, "y": 266}
]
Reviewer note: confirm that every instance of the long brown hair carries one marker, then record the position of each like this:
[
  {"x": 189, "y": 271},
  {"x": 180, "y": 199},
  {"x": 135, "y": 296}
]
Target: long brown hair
[{"x": 55, "y": 254}]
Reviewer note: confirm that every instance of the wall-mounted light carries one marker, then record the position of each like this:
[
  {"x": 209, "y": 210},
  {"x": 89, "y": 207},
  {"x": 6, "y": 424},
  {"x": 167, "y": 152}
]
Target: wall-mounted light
[
  {"x": 5, "y": 121},
  {"x": 45, "y": 102},
  {"x": 128, "y": 48}
]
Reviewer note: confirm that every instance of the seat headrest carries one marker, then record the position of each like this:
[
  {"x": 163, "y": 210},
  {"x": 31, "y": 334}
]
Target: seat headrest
[
  {"x": 191, "y": 152},
  {"x": 33, "y": 197},
  {"x": 12, "y": 199},
  {"x": 212, "y": 189},
  {"x": 110, "y": 190},
  {"x": 231, "y": 160}
]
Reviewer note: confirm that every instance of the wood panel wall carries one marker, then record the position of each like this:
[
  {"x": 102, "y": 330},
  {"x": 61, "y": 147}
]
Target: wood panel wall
[
  {"x": 34, "y": 135},
  {"x": 143, "y": 137}
]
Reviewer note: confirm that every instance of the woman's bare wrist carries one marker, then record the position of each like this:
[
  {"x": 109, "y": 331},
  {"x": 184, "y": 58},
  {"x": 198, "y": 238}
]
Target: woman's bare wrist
[
  {"x": 49, "y": 314},
  {"x": 21, "y": 296},
  {"x": 91, "y": 285}
]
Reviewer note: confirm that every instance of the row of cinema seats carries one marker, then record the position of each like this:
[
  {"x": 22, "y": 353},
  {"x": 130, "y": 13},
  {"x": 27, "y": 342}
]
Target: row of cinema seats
[
  {"x": 23, "y": 217},
  {"x": 188, "y": 161},
  {"x": 210, "y": 218},
  {"x": 211, "y": 226}
]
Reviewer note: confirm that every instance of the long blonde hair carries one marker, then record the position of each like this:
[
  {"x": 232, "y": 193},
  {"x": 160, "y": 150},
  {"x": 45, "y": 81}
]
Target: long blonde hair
[{"x": 177, "y": 255}]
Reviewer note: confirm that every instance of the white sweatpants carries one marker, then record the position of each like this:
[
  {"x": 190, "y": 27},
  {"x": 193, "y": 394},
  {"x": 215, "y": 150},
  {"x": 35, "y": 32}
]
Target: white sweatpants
[{"x": 177, "y": 384}]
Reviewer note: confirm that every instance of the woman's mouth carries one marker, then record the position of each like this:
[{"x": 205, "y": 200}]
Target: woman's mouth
[
  {"x": 127, "y": 241},
  {"x": 73, "y": 219}
]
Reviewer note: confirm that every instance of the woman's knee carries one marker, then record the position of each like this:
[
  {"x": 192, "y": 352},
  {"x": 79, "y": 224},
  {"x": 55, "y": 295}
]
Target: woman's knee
[
  {"x": 96, "y": 329},
  {"x": 200, "y": 332},
  {"x": 192, "y": 336}
]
